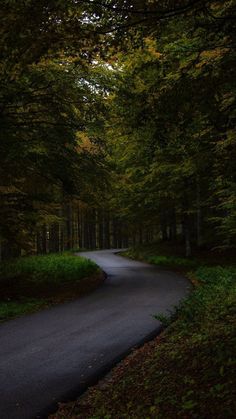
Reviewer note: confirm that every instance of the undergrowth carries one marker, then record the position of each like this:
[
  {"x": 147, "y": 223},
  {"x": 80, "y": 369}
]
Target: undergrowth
[
  {"x": 11, "y": 309},
  {"x": 172, "y": 255},
  {"x": 162, "y": 260},
  {"x": 48, "y": 268},
  {"x": 29, "y": 283}
]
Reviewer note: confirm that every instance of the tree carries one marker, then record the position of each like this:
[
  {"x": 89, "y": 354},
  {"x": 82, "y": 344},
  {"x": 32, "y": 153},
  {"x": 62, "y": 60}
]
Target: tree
[{"x": 170, "y": 103}]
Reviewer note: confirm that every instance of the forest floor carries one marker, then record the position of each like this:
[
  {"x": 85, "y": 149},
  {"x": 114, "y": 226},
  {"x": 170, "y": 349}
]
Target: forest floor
[
  {"x": 186, "y": 372},
  {"x": 32, "y": 283}
]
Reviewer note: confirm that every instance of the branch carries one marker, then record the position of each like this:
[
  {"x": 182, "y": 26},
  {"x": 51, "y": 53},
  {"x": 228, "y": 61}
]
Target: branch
[
  {"x": 228, "y": 17},
  {"x": 154, "y": 15},
  {"x": 182, "y": 9}
]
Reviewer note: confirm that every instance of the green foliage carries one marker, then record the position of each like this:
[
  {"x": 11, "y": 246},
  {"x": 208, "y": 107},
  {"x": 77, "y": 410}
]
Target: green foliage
[
  {"x": 172, "y": 117},
  {"x": 43, "y": 156},
  {"x": 29, "y": 284},
  {"x": 53, "y": 268},
  {"x": 161, "y": 260},
  {"x": 217, "y": 275},
  {"x": 172, "y": 261},
  {"x": 158, "y": 114},
  {"x": 11, "y": 309},
  {"x": 212, "y": 300},
  {"x": 49, "y": 94}
]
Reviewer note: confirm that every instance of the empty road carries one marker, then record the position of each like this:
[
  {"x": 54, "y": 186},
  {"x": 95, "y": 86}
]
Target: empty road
[{"x": 55, "y": 354}]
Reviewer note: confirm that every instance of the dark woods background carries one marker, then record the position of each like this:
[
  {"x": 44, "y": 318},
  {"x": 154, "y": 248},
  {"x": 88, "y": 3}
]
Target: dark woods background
[{"x": 117, "y": 124}]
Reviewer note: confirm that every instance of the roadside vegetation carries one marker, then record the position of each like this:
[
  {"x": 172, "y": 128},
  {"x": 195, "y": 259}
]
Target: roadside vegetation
[
  {"x": 150, "y": 254},
  {"x": 27, "y": 284},
  {"x": 188, "y": 371},
  {"x": 172, "y": 255}
]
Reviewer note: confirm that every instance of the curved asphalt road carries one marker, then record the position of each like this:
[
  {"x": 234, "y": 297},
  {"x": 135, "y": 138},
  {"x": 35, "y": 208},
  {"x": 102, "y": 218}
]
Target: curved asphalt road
[{"x": 53, "y": 355}]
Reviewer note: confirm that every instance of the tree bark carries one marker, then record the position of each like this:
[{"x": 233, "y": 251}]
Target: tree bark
[{"x": 199, "y": 215}]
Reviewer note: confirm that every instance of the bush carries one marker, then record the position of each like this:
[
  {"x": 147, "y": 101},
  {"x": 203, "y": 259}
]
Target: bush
[
  {"x": 11, "y": 309},
  {"x": 28, "y": 284},
  {"x": 172, "y": 261},
  {"x": 48, "y": 268},
  {"x": 213, "y": 300}
]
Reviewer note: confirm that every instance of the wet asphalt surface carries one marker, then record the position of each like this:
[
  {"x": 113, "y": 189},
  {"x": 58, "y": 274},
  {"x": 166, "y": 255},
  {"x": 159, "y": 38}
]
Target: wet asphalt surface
[{"x": 54, "y": 355}]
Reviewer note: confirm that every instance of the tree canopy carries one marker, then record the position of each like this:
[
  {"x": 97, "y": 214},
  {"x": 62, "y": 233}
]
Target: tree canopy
[{"x": 125, "y": 109}]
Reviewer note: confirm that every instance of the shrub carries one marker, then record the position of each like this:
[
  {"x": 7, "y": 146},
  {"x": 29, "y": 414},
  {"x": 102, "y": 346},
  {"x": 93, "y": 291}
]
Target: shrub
[{"x": 48, "y": 268}]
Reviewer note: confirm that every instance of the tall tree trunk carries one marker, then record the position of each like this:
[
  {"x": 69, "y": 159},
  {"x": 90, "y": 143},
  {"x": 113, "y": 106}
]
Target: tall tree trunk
[
  {"x": 119, "y": 235},
  {"x": 54, "y": 238},
  {"x": 173, "y": 228},
  {"x": 188, "y": 250},
  {"x": 186, "y": 225},
  {"x": 140, "y": 235},
  {"x": 44, "y": 240},
  {"x": 0, "y": 249},
  {"x": 199, "y": 215},
  {"x": 107, "y": 231},
  {"x": 101, "y": 241},
  {"x": 163, "y": 221}
]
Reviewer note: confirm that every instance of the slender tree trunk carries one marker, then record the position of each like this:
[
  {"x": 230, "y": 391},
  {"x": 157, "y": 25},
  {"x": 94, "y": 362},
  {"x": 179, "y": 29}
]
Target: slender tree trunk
[
  {"x": 54, "y": 238},
  {"x": 163, "y": 220},
  {"x": 86, "y": 230},
  {"x": 97, "y": 228},
  {"x": 44, "y": 239},
  {"x": 0, "y": 249},
  {"x": 101, "y": 242},
  {"x": 188, "y": 250},
  {"x": 140, "y": 235},
  {"x": 199, "y": 215},
  {"x": 186, "y": 224},
  {"x": 107, "y": 231},
  {"x": 173, "y": 229},
  {"x": 134, "y": 239},
  {"x": 119, "y": 235}
]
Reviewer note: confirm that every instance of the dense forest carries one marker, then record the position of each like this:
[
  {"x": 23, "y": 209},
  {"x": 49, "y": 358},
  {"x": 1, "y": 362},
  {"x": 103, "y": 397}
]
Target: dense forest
[{"x": 117, "y": 124}]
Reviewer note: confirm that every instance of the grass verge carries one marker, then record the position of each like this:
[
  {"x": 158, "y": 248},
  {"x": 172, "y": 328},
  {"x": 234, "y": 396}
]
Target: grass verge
[
  {"x": 31, "y": 283},
  {"x": 187, "y": 372},
  {"x": 169, "y": 255}
]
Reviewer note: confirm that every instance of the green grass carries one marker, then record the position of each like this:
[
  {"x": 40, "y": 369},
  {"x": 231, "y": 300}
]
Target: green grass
[
  {"x": 54, "y": 268},
  {"x": 169, "y": 255},
  {"x": 187, "y": 372},
  {"x": 149, "y": 254},
  {"x": 172, "y": 261},
  {"x": 11, "y": 309},
  {"x": 29, "y": 283}
]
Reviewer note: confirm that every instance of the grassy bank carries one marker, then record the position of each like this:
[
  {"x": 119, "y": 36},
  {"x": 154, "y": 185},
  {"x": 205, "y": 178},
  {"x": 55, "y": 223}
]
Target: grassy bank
[
  {"x": 187, "y": 372},
  {"x": 169, "y": 255},
  {"x": 30, "y": 283}
]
